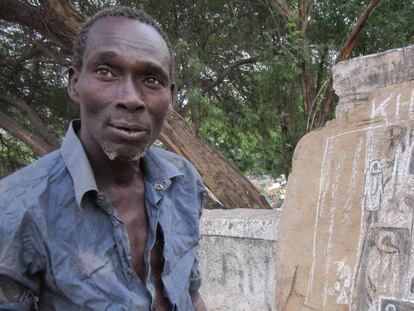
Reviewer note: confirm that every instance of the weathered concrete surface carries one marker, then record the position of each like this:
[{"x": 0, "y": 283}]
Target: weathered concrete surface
[
  {"x": 237, "y": 259},
  {"x": 346, "y": 233},
  {"x": 356, "y": 78}
]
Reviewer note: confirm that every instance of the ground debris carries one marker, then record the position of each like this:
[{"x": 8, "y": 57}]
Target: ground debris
[{"x": 273, "y": 189}]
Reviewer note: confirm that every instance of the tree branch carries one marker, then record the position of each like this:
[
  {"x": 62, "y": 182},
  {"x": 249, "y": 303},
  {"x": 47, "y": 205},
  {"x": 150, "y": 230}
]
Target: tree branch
[
  {"x": 46, "y": 51},
  {"x": 37, "y": 144},
  {"x": 281, "y": 7},
  {"x": 35, "y": 79},
  {"x": 22, "y": 13},
  {"x": 63, "y": 20},
  {"x": 304, "y": 8},
  {"x": 58, "y": 21},
  {"x": 321, "y": 65},
  {"x": 345, "y": 54},
  {"x": 55, "y": 19},
  {"x": 34, "y": 119},
  {"x": 220, "y": 77},
  {"x": 353, "y": 37},
  {"x": 27, "y": 54},
  {"x": 230, "y": 187},
  {"x": 182, "y": 110}
]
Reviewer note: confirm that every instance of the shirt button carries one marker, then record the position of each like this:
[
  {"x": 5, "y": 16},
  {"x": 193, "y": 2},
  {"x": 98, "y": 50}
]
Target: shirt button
[
  {"x": 159, "y": 186},
  {"x": 100, "y": 199}
]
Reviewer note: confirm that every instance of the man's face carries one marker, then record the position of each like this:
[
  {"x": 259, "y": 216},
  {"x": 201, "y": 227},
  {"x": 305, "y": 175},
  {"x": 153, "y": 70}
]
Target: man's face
[{"x": 124, "y": 88}]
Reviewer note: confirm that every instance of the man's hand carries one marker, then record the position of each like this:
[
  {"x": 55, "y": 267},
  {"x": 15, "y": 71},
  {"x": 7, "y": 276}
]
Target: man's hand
[{"x": 199, "y": 304}]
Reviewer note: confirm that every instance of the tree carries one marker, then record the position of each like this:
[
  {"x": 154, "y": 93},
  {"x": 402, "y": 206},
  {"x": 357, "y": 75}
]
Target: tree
[
  {"x": 253, "y": 76},
  {"x": 59, "y": 22}
]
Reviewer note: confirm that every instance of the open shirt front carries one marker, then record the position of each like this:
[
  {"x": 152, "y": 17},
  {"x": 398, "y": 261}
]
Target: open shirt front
[{"x": 64, "y": 247}]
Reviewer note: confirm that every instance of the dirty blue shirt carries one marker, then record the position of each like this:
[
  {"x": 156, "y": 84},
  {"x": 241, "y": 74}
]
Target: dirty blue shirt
[{"x": 64, "y": 247}]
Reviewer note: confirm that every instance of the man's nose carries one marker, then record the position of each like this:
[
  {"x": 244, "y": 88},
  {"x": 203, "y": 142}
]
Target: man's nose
[{"x": 130, "y": 95}]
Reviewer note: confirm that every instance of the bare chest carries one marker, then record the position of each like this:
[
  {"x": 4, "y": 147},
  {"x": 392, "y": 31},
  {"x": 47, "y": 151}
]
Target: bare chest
[
  {"x": 137, "y": 228},
  {"x": 136, "y": 224}
]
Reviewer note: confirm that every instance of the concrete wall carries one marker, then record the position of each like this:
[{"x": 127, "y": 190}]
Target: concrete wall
[
  {"x": 237, "y": 259},
  {"x": 340, "y": 246},
  {"x": 356, "y": 78},
  {"x": 346, "y": 241}
]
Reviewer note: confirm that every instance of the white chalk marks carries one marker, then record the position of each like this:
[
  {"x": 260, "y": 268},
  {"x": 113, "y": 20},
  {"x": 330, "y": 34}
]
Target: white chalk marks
[
  {"x": 363, "y": 229},
  {"x": 374, "y": 186}
]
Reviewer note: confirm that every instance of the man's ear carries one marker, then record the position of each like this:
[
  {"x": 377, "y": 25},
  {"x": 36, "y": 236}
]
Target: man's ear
[
  {"x": 73, "y": 76},
  {"x": 173, "y": 90}
]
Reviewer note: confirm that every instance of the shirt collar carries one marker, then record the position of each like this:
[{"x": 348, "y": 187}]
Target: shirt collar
[
  {"x": 77, "y": 163},
  {"x": 158, "y": 171}
]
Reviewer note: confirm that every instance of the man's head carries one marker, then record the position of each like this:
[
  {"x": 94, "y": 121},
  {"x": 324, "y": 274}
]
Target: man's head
[
  {"x": 122, "y": 79},
  {"x": 120, "y": 11}
]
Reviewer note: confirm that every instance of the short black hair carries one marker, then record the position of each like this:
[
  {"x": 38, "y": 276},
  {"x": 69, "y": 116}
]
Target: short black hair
[{"x": 140, "y": 15}]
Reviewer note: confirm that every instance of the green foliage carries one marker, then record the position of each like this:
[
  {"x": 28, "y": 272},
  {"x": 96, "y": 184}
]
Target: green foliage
[
  {"x": 42, "y": 85},
  {"x": 13, "y": 154},
  {"x": 390, "y": 27},
  {"x": 255, "y": 114}
]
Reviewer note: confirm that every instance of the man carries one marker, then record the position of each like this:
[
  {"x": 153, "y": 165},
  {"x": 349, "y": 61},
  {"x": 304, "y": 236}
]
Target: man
[{"x": 106, "y": 222}]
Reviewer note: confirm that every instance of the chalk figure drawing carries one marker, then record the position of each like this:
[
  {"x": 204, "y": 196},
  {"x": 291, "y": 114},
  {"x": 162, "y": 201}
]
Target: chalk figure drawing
[
  {"x": 385, "y": 257},
  {"x": 384, "y": 268},
  {"x": 373, "y": 186}
]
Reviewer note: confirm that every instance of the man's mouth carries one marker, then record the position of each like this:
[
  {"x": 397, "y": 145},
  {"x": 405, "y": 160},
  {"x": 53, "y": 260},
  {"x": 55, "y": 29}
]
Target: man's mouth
[{"x": 128, "y": 130}]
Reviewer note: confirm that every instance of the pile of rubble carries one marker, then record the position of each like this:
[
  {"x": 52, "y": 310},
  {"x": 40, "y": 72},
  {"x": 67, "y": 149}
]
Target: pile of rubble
[{"x": 273, "y": 189}]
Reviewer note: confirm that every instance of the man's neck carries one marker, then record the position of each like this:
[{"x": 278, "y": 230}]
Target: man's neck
[
  {"x": 115, "y": 173},
  {"x": 112, "y": 173}
]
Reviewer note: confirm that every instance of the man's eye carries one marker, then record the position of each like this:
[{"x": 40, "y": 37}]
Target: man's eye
[
  {"x": 103, "y": 72},
  {"x": 153, "y": 80}
]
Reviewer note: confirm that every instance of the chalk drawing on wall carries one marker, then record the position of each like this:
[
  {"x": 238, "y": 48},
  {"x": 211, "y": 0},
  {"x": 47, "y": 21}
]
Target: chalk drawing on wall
[
  {"x": 393, "y": 304},
  {"x": 373, "y": 188},
  {"x": 384, "y": 260},
  {"x": 379, "y": 262}
]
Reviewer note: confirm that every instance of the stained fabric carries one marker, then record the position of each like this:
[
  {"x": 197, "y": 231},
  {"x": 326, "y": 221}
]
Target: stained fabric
[{"x": 64, "y": 247}]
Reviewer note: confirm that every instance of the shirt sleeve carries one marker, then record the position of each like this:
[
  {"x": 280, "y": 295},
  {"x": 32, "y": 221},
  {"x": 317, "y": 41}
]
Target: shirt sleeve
[
  {"x": 21, "y": 258},
  {"x": 14, "y": 296},
  {"x": 195, "y": 276},
  {"x": 195, "y": 281}
]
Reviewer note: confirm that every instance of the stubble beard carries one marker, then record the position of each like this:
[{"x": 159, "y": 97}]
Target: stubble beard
[{"x": 113, "y": 155}]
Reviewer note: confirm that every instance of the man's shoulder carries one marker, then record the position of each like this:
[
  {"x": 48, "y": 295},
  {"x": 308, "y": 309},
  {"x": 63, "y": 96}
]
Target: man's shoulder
[
  {"x": 31, "y": 177},
  {"x": 188, "y": 178},
  {"x": 182, "y": 164}
]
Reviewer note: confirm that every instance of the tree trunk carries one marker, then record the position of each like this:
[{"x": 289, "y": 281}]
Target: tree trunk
[
  {"x": 58, "y": 21},
  {"x": 34, "y": 119},
  {"x": 345, "y": 54},
  {"x": 36, "y": 143},
  {"x": 319, "y": 116},
  {"x": 230, "y": 187}
]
